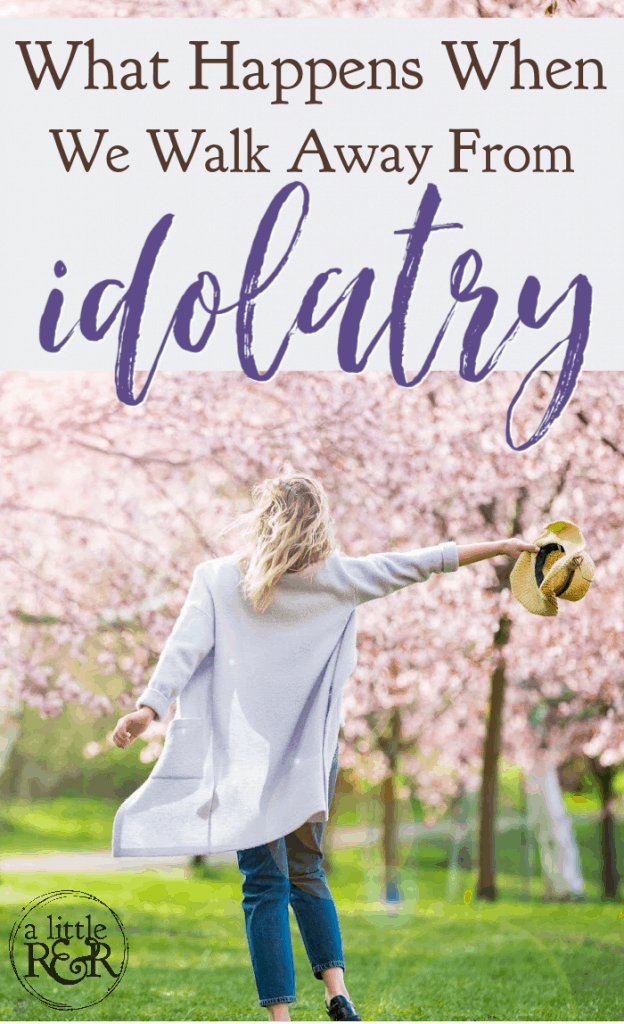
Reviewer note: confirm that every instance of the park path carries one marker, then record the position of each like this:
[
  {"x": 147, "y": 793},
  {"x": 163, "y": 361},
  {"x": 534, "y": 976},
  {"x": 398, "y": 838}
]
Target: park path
[{"x": 98, "y": 861}]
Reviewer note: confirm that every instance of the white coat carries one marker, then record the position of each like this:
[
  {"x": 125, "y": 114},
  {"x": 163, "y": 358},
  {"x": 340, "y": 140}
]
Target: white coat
[{"x": 247, "y": 757}]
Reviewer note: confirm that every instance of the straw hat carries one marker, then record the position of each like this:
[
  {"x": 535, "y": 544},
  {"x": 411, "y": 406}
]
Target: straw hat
[{"x": 562, "y": 568}]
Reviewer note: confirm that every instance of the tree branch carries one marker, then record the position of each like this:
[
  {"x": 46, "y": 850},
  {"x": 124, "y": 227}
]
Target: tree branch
[
  {"x": 605, "y": 440},
  {"x": 558, "y": 489},
  {"x": 76, "y": 518}
]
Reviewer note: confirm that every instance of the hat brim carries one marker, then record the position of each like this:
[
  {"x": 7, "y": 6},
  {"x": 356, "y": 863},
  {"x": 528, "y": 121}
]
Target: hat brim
[{"x": 525, "y": 589}]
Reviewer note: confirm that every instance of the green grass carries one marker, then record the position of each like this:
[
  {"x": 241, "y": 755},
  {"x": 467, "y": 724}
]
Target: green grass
[
  {"x": 434, "y": 960},
  {"x": 64, "y": 823},
  {"x": 83, "y": 823}
]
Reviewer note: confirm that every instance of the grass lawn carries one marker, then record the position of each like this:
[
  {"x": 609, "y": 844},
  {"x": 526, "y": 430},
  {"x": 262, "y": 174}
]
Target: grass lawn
[
  {"x": 434, "y": 960},
  {"x": 64, "y": 823}
]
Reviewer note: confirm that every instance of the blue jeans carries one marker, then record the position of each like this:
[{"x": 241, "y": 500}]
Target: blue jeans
[{"x": 289, "y": 871}]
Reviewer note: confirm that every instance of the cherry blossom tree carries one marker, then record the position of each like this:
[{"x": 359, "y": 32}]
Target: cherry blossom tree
[
  {"x": 106, "y": 510},
  {"x": 575, "y": 663},
  {"x": 500, "y": 496}
]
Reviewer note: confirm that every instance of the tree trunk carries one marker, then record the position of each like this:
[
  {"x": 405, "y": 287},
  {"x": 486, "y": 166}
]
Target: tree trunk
[
  {"x": 604, "y": 776},
  {"x": 390, "y": 836},
  {"x": 390, "y": 810},
  {"x": 486, "y": 884},
  {"x": 561, "y": 864},
  {"x": 9, "y": 721}
]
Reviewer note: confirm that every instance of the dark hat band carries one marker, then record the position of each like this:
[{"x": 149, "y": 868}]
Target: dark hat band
[
  {"x": 542, "y": 555},
  {"x": 540, "y": 558}
]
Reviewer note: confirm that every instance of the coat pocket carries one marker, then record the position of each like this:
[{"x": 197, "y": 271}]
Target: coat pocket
[{"x": 184, "y": 751}]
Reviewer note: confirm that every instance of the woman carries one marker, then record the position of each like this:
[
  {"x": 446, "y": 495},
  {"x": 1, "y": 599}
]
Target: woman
[{"x": 257, "y": 661}]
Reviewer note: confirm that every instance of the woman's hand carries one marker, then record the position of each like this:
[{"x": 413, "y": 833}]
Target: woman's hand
[
  {"x": 131, "y": 726},
  {"x": 514, "y": 547}
]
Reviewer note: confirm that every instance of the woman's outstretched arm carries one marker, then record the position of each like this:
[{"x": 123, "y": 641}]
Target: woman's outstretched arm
[
  {"x": 374, "y": 576},
  {"x": 469, "y": 553}
]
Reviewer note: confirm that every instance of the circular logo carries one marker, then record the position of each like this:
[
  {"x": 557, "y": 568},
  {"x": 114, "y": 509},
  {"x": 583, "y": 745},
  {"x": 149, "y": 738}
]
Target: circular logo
[{"x": 68, "y": 949}]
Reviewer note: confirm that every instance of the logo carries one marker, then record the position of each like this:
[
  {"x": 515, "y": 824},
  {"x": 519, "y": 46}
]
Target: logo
[{"x": 68, "y": 949}]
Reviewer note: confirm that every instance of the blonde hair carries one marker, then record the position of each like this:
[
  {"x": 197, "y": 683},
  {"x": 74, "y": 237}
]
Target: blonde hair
[{"x": 289, "y": 529}]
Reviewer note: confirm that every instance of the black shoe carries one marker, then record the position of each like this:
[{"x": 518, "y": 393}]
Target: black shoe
[{"x": 341, "y": 1009}]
